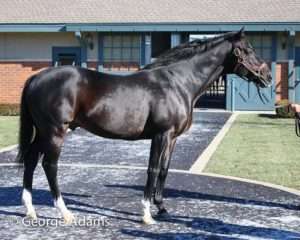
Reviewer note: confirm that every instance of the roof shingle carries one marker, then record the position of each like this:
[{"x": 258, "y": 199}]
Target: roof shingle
[{"x": 148, "y": 11}]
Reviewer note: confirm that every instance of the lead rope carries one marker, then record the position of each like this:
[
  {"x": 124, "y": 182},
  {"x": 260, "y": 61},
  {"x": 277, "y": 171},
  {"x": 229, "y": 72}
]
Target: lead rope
[{"x": 297, "y": 124}]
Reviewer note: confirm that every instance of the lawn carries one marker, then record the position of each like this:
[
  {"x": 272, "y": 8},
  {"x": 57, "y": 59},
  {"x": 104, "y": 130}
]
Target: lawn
[
  {"x": 8, "y": 131},
  {"x": 259, "y": 147}
]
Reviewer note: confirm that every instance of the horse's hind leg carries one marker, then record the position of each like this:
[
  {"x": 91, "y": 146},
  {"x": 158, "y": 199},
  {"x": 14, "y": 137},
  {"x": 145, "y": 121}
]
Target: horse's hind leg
[
  {"x": 52, "y": 149},
  {"x": 30, "y": 162}
]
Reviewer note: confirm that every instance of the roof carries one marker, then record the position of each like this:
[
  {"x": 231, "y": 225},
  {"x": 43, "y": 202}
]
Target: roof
[{"x": 148, "y": 11}]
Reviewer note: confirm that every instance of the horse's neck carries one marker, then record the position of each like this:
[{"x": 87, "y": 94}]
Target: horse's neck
[{"x": 202, "y": 70}]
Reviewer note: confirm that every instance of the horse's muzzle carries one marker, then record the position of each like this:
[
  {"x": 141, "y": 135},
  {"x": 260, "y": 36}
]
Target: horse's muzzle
[{"x": 264, "y": 76}]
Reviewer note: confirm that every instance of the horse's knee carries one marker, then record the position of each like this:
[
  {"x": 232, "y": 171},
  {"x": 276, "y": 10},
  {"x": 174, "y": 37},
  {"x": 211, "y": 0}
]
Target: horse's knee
[{"x": 49, "y": 166}]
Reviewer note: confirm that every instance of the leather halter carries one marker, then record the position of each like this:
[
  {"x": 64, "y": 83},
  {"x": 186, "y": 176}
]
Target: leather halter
[{"x": 243, "y": 63}]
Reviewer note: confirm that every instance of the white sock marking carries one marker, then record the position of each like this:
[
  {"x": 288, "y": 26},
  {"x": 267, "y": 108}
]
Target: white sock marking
[
  {"x": 67, "y": 215},
  {"x": 27, "y": 201},
  {"x": 146, "y": 207},
  {"x": 60, "y": 204},
  {"x": 147, "y": 217}
]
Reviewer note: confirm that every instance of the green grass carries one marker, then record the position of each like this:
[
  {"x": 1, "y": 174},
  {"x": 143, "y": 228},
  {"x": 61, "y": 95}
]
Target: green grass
[
  {"x": 8, "y": 131},
  {"x": 260, "y": 148}
]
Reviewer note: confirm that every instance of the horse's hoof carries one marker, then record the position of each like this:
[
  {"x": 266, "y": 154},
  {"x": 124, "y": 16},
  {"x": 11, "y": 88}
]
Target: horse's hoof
[
  {"x": 148, "y": 220},
  {"x": 68, "y": 217},
  {"x": 31, "y": 215},
  {"x": 163, "y": 214}
]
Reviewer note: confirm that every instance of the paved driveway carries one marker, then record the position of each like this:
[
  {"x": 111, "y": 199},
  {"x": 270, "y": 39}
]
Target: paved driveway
[
  {"x": 83, "y": 147},
  {"x": 102, "y": 183}
]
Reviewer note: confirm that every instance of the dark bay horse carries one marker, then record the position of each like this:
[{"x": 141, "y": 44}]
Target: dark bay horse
[{"x": 154, "y": 103}]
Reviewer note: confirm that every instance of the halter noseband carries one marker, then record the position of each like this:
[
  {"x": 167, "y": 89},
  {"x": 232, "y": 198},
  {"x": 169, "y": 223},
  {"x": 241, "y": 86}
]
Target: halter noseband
[{"x": 243, "y": 63}]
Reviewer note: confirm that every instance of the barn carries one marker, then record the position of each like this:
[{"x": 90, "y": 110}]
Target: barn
[{"x": 122, "y": 36}]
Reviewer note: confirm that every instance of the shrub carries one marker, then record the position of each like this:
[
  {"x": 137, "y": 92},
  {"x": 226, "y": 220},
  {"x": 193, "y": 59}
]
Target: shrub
[
  {"x": 282, "y": 109},
  {"x": 9, "y": 109}
]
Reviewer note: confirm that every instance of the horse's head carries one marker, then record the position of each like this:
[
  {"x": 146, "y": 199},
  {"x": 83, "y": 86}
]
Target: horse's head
[{"x": 247, "y": 64}]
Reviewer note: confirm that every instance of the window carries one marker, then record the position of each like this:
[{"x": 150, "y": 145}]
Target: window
[
  {"x": 262, "y": 45},
  {"x": 66, "y": 56},
  {"x": 121, "y": 52},
  {"x": 66, "y": 59}
]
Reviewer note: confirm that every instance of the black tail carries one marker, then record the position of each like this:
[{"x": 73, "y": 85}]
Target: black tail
[{"x": 26, "y": 125}]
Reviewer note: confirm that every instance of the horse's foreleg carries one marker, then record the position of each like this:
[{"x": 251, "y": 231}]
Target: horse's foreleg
[
  {"x": 158, "y": 195},
  {"x": 50, "y": 167},
  {"x": 159, "y": 146}
]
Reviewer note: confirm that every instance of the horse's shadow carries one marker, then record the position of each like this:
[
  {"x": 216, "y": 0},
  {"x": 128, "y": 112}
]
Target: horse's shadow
[
  {"x": 213, "y": 229},
  {"x": 174, "y": 193},
  {"x": 10, "y": 196}
]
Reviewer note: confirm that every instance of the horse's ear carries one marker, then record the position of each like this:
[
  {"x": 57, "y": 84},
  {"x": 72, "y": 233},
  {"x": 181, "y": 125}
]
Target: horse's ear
[{"x": 241, "y": 33}]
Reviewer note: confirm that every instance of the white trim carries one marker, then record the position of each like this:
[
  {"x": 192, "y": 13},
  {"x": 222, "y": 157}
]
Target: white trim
[{"x": 204, "y": 158}]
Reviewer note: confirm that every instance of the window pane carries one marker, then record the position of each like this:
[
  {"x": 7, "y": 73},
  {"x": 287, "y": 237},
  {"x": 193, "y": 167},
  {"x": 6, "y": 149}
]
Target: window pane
[
  {"x": 267, "y": 41},
  {"x": 107, "y": 54},
  {"x": 126, "y": 41},
  {"x": 126, "y": 53},
  {"x": 135, "y": 41},
  {"x": 267, "y": 54},
  {"x": 135, "y": 54},
  {"x": 107, "y": 41},
  {"x": 117, "y": 41},
  {"x": 116, "y": 54}
]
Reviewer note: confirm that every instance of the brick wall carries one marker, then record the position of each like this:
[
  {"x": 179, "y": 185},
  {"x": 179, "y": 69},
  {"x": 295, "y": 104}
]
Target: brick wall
[
  {"x": 13, "y": 76},
  {"x": 281, "y": 83}
]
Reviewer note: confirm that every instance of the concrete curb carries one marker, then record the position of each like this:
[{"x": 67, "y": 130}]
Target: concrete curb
[
  {"x": 204, "y": 158},
  {"x": 246, "y": 180},
  {"x": 8, "y": 148},
  {"x": 256, "y": 112}
]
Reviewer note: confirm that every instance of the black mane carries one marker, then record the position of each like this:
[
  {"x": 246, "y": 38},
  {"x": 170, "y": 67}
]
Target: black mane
[{"x": 188, "y": 49}]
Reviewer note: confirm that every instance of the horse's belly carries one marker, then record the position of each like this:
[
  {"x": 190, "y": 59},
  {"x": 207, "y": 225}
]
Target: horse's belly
[
  {"x": 117, "y": 123},
  {"x": 126, "y": 125}
]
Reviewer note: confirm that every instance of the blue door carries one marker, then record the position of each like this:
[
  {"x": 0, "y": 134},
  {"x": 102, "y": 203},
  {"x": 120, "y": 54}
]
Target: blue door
[
  {"x": 297, "y": 75},
  {"x": 243, "y": 95}
]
